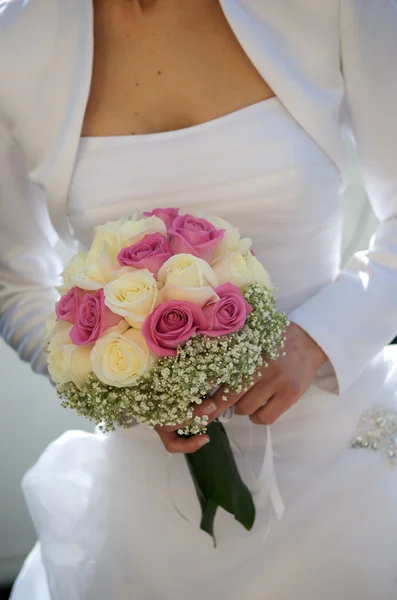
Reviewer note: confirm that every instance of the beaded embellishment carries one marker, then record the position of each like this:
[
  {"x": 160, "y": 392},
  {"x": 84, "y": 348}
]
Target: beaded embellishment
[{"x": 377, "y": 430}]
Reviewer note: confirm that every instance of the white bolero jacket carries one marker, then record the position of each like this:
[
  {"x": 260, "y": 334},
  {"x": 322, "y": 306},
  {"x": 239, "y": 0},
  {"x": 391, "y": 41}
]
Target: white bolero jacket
[{"x": 332, "y": 63}]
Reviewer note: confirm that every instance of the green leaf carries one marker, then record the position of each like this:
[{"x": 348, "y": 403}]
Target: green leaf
[
  {"x": 218, "y": 481},
  {"x": 208, "y": 517}
]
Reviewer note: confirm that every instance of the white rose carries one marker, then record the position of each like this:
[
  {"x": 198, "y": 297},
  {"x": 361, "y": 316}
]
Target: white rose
[
  {"x": 186, "y": 270},
  {"x": 119, "y": 359},
  {"x": 258, "y": 271},
  {"x": 188, "y": 278},
  {"x": 231, "y": 237},
  {"x": 110, "y": 235},
  {"x": 244, "y": 245},
  {"x": 241, "y": 270},
  {"x": 200, "y": 296},
  {"x": 66, "y": 361},
  {"x": 134, "y": 231},
  {"x": 233, "y": 268},
  {"x": 116, "y": 235},
  {"x": 75, "y": 266},
  {"x": 53, "y": 326},
  {"x": 133, "y": 294},
  {"x": 96, "y": 270}
]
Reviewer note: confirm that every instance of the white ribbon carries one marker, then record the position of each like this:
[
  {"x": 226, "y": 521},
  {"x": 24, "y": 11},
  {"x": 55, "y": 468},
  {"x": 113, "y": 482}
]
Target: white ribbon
[
  {"x": 173, "y": 502},
  {"x": 266, "y": 482},
  {"x": 265, "y": 485}
]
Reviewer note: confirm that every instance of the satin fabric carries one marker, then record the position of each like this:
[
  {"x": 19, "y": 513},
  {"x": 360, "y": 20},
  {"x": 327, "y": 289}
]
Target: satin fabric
[
  {"x": 332, "y": 65},
  {"x": 104, "y": 506}
]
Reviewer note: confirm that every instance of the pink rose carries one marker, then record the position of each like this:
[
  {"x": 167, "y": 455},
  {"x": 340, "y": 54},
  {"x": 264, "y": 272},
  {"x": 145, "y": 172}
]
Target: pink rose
[
  {"x": 166, "y": 214},
  {"x": 68, "y": 306},
  {"x": 229, "y": 314},
  {"x": 93, "y": 317},
  {"x": 150, "y": 253},
  {"x": 190, "y": 235},
  {"x": 171, "y": 325}
]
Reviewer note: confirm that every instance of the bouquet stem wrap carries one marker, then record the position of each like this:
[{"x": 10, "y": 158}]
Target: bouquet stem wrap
[{"x": 218, "y": 481}]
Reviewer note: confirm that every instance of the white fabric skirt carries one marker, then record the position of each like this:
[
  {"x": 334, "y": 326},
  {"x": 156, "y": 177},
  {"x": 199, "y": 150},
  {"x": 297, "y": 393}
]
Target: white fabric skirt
[{"x": 118, "y": 519}]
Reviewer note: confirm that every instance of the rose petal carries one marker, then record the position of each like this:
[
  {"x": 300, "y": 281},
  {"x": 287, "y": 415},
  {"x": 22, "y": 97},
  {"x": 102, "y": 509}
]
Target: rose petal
[
  {"x": 172, "y": 324},
  {"x": 201, "y": 237},
  {"x": 150, "y": 253},
  {"x": 166, "y": 214},
  {"x": 200, "y": 296},
  {"x": 229, "y": 314},
  {"x": 67, "y": 307},
  {"x": 93, "y": 319},
  {"x": 179, "y": 245}
]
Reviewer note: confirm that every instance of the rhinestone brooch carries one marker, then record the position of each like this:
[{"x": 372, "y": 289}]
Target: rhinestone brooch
[{"x": 377, "y": 430}]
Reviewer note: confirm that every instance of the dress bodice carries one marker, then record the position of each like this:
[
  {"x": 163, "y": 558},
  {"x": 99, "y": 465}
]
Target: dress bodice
[{"x": 255, "y": 167}]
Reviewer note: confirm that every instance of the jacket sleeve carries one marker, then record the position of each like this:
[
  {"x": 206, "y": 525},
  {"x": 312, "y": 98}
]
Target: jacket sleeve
[
  {"x": 29, "y": 265},
  {"x": 355, "y": 317}
]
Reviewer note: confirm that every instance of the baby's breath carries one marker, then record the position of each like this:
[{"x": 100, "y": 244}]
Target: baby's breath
[{"x": 167, "y": 393}]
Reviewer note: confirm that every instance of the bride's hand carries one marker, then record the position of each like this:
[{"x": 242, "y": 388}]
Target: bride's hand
[
  {"x": 281, "y": 384},
  {"x": 175, "y": 443}
]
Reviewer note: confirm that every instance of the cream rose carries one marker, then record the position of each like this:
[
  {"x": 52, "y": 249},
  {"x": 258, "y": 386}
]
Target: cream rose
[
  {"x": 93, "y": 270},
  {"x": 186, "y": 270},
  {"x": 116, "y": 235},
  {"x": 244, "y": 245},
  {"x": 136, "y": 230},
  {"x": 75, "y": 266},
  {"x": 241, "y": 269},
  {"x": 133, "y": 294},
  {"x": 96, "y": 270},
  {"x": 258, "y": 271},
  {"x": 53, "y": 326},
  {"x": 231, "y": 237},
  {"x": 119, "y": 359},
  {"x": 66, "y": 361},
  {"x": 188, "y": 278},
  {"x": 200, "y": 296},
  {"x": 110, "y": 235}
]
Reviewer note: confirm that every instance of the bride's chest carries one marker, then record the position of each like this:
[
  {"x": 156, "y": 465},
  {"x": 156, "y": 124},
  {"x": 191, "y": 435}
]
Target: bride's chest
[{"x": 167, "y": 69}]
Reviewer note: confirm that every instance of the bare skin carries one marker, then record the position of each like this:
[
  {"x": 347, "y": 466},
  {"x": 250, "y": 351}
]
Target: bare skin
[
  {"x": 174, "y": 64},
  {"x": 162, "y": 65}
]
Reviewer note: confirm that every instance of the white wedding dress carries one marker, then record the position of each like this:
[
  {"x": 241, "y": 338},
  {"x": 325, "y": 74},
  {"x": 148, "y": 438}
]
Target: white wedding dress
[{"x": 117, "y": 518}]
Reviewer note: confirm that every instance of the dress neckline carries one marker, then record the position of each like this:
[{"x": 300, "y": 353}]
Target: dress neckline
[{"x": 99, "y": 141}]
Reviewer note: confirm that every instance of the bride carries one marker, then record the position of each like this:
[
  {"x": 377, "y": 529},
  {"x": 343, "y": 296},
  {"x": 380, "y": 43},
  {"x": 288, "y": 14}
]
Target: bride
[{"x": 237, "y": 108}]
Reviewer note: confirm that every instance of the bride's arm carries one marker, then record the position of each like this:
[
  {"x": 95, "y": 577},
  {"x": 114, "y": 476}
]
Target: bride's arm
[
  {"x": 356, "y": 316},
  {"x": 29, "y": 265}
]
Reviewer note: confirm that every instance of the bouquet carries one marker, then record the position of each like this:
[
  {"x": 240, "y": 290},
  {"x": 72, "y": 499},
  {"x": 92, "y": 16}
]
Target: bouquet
[{"x": 161, "y": 311}]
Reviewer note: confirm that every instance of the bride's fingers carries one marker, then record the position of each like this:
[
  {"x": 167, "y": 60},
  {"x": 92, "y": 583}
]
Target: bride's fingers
[
  {"x": 175, "y": 443},
  {"x": 274, "y": 408},
  {"x": 215, "y": 406},
  {"x": 255, "y": 398}
]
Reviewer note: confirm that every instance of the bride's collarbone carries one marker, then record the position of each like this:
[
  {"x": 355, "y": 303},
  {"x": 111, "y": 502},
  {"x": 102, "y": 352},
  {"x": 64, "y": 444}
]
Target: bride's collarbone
[{"x": 158, "y": 75}]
